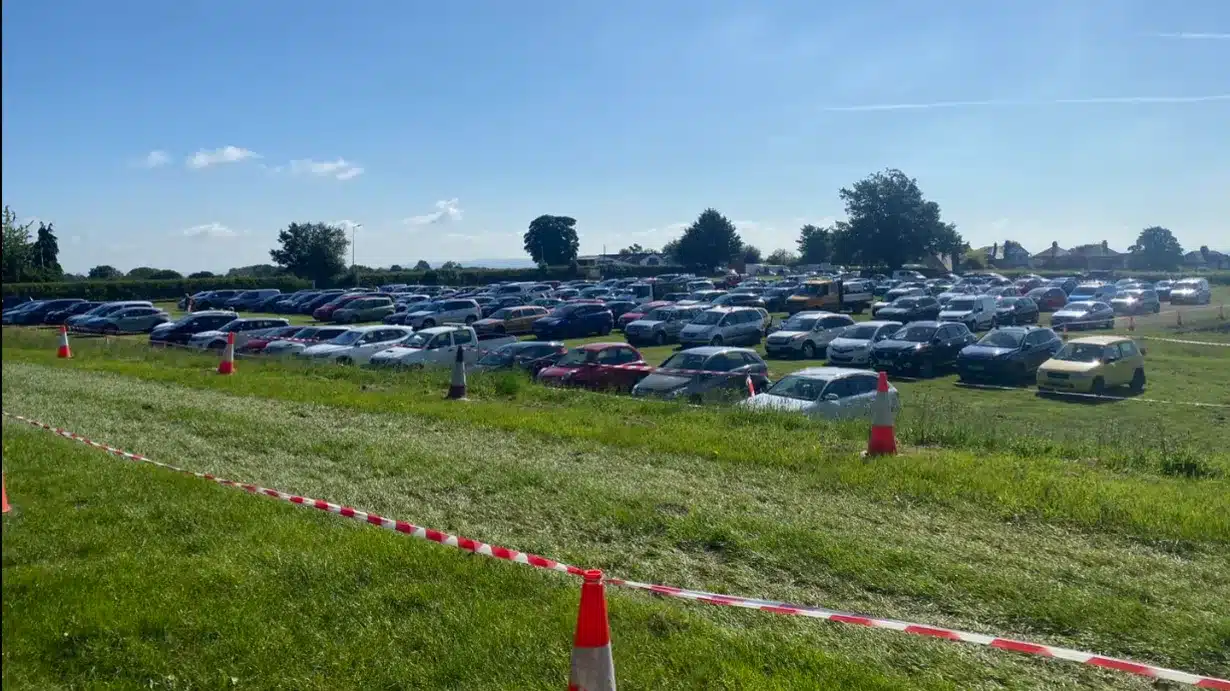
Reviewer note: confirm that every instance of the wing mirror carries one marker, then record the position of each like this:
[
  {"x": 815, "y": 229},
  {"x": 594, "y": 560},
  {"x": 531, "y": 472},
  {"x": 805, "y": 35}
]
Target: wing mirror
[{"x": 831, "y": 397}]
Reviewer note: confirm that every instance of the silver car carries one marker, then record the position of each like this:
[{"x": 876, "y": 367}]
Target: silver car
[
  {"x": 725, "y": 326},
  {"x": 806, "y": 334},
  {"x": 853, "y": 346},
  {"x": 661, "y": 326}
]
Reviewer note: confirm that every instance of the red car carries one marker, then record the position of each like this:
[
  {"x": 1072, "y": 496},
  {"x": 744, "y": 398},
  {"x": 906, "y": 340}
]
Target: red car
[
  {"x": 1049, "y": 298},
  {"x": 325, "y": 311},
  {"x": 599, "y": 366},
  {"x": 639, "y": 312},
  {"x": 257, "y": 343}
]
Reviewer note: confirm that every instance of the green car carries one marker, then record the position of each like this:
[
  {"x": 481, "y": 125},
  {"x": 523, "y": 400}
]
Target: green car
[{"x": 364, "y": 310}]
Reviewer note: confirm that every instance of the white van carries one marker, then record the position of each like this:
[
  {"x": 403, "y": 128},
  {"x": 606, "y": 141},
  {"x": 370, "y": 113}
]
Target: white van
[{"x": 977, "y": 312}]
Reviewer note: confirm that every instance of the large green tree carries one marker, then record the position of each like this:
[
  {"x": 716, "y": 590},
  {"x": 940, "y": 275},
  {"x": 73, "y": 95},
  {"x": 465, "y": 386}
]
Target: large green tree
[
  {"x": 751, "y": 254},
  {"x": 709, "y": 242},
  {"x": 315, "y": 251},
  {"x": 105, "y": 272},
  {"x": 889, "y": 223},
  {"x": 45, "y": 254},
  {"x": 782, "y": 257},
  {"x": 17, "y": 248},
  {"x": 815, "y": 244},
  {"x": 1156, "y": 248},
  {"x": 552, "y": 240},
  {"x": 422, "y": 265}
]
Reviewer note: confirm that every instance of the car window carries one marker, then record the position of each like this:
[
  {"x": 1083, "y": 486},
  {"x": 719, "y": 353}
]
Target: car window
[
  {"x": 719, "y": 363},
  {"x": 751, "y": 360},
  {"x": 842, "y": 387},
  {"x": 627, "y": 355},
  {"x": 1109, "y": 353},
  {"x": 834, "y": 322},
  {"x": 610, "y": 356},
  {"x": 862, "y": 385},
  {"x": 462, "y": 337},
  {"x": 1128, "y": 349}
]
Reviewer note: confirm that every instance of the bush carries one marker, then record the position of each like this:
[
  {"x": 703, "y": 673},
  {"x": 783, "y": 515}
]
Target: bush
[
  {"x": 146, "y": 290},
  {"x": 477, "y": 277}
]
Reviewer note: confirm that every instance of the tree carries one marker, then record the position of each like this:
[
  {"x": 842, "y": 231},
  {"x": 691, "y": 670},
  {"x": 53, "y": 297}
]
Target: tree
[
  {"x": 782, "y": 257},
  {"x": 166, "y": 275},
  {"x": 315, "y": 251},
  {"x": 889, "y": 223},
  {"x": 552, "y": 240},
  {"x": 815, "y": 244},
  {"x": 422, "y": 266},
  {"x": 17, "y": 248},
  {"x": 450, "y": 266},
  {"x": 396, "y": 268},
  {"x": 142, "y": 273},
  {"x": 254, "y": 271},
  {"x": 105, "y": 272},
  {"x": 201, "y": 274},
  {"x": 751, "y": 254},
  {"x": 1204, "y": 253},
  {"x": 634, "y": 248},
  {"x": 709, "y": 242},
  {"x": 671, "y": 251},
  {"x": 1156, "y": 248},
  {"x": 44, "y": 254}
]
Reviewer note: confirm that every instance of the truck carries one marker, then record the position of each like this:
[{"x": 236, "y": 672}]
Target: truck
[
  {"x": 437, "y": 346},
  {"x": 830, "y": 295}
]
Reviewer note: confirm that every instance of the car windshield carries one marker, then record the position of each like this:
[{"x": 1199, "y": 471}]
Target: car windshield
[
  {"x": 864, "y": 332},
  {"x": 707, "y": 318},
  {"x": 1187, "y": 284},
  {"x": 908, "y": 302},
  {"x": 577, "y": 357},
  {"x": 964, "y": 304},
  {"x": 662, "y": 314},
  {"x": 800, "y": 323},
  {"x": 1008, "y": 302},
  {"x": 1038, "y": 292},
  {"x": 814, "y": 289},
  {"x": 1078, "y": 307},
  {"x": 504, "y": 313},
  {"x": 347, "y": 338},
  {"x": 1002, "y": 339},
  {"x": 915, "y": 334},
  {"x": 1080, "y": 352},
  {"x": 1132, "y": 294},
  {"x": 563, "y": 311},
  {"x": 500, "y": 356},
  {"x": 1084, "y": 291},
  {"x": 685, "y": 361},
  {"x": 429, "y": 307},
  {"x": 308, "y": 332},
  {"x": 798, "y": 387}
]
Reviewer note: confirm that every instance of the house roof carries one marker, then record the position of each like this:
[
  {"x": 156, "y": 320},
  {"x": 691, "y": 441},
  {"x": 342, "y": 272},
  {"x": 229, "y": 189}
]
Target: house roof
[
  {"x": 1096, "y": 249},
  {"x": 1053, "y": 251}
]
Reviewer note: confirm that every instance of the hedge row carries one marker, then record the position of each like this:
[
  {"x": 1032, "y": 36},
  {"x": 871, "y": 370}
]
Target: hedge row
[
  {"x": 478, "y": 277},
  {"x": 146, "y": 290}
]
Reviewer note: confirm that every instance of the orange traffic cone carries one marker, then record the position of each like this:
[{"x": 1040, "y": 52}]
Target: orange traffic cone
[
  {"x": 883, "y": 441},
  {"x": 457, "y": 385},
  {"x": 4, "y": 495},
  {"x": 592, "y": 666},
  {"x": 227, "y": 366},
  {"x": 751, "y": 387},
  {"x": 64, "y": 351}
]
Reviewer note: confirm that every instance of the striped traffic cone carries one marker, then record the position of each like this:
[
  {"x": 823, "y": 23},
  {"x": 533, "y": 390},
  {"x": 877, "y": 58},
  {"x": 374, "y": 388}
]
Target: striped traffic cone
[
  {"x": 592, "y": 666},
  {"x": 883, "y": 441},
  {"x": 751, "y": 387},
  {"x": 227, "y": 366},
  {"x": 64, "y": 351},
  {"x": 4, "y": 495},
  {"x": 457, "y": 385}
]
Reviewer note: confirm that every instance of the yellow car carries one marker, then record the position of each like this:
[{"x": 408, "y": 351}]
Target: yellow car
[
  {"x": 1093, "y": 365},
  {"x": 511, "y": 320}
]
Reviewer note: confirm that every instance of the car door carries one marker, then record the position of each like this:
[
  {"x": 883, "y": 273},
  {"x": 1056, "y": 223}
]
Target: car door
[
  {"x": 862, "y": 394},
  {"x": 954, "y": 341},
  {"x": 1112, "y": 366},
  {"x": 835, "y": 401},
  {"x": 1037, "y": 348}
]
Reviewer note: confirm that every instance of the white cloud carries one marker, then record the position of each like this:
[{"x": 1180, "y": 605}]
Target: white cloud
[
  {"x": 446, "y": 210},
  {"x": 155, "y": 159},
  {"x": 1117, "y": 100},
  {"x": 1187, "y": 36},
  {"x": 340, "y": 169},
  {"x": 227, "y": 154},
  {"x": 209, "y": 230}
]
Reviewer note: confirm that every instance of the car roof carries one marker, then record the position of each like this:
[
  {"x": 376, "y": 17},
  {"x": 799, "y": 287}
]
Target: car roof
[
  {"x": 211, "y": 313},
  {"x": 373, "y": 327},
  {"x": 523, "y": 345},
  {"x": 1017, "y": 329},
  {"x": 715, "y": 350},
  {"x": 931, "y": 324},
  {"x": 1100, "y": 340},
  {"x": 829, "y": 372},
  {"x": 878, "y": 322},
  {"x": 603, "y": 346}
]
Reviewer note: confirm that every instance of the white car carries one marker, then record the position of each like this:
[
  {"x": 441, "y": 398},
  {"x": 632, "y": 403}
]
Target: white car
[
  {"x": 825, "y": 392},
  {"x": 308, "y": 335},
  {"x": 853, "y": 346},
  {"x": 438, "y": 346},
  {"x": 244, "y": 329},
  {"x": 976, "y": 312},
  {"x": 357, "y": 345}
]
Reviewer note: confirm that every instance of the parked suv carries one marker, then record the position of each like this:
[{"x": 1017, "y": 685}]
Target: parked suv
[
  {"x": 660, "y": 326},
  {"x": 1191, "y": 291},
  {"x": 575, "y": 320},
  {"x": 707, "y": 373},
  {"x": 806, "y": 334},
  {"x": 725, "y": 326},
  {"x": 976, "y": 312},
  {"x": 435, "y": 313},
  {"x": 179, "y": 332}
]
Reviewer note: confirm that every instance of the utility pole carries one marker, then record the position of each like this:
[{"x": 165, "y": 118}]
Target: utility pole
[{"x": 353, "y": 228}]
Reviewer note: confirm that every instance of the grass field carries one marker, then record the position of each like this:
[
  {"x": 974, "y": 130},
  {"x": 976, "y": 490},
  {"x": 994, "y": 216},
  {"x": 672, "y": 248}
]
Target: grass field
[{"x": 1102, "y": 527}]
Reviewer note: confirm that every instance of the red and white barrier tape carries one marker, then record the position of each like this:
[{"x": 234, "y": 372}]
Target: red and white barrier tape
[
  {"x": 772, "y": 606},
  {"x": 1184, "y": 342},
  {"x": 1074, "y": 394}
]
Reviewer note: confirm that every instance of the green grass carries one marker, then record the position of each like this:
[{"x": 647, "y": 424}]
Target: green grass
[{"x": 984, "y": 523}]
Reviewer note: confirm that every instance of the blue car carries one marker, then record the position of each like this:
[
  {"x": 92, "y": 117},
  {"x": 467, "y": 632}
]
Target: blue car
[
  {"x": 1010, "y": 353},
  {"x": 575, "y": 321}
]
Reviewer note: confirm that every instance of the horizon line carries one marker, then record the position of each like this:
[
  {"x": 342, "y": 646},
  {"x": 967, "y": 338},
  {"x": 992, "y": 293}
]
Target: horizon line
[{"x": 994, "y": 103}]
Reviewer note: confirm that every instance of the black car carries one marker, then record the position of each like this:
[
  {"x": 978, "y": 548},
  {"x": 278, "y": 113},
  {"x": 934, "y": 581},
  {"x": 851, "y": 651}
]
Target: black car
[
  {"x": 775, "y": 298},
  {"x": 706, "y": 373},
  {"x": 620, "y": 307},
  {"x": 309, "y": 306},
  {"x": 59, "y": 316},
  {"x": 921, "y": 348},
  {"x": 1016, "y": 310},
  {"x": 214, "y": 299},
  {"x": 38, "y": 312},
  {"x": 531, "y": 356},
  {"x": 910, "y": 309},
  {"x": 180, "y": 331},
  {"x": 1010, "y": 352}
]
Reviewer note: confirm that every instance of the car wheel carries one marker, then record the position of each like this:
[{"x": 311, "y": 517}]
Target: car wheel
[
  {"x": 926, "y": 370},
  {"x": 659, "y": 338},
  {"x": 428, "y": 323},
  {"x": 809, "y": 351},
  {"x": 111, "y": 329},
  {"x": 716, "y": 341},
  {"x": 1099, "y": 386},
  {"x": 1138, "y": 381},
  {"x": 1021, "y": 373}
]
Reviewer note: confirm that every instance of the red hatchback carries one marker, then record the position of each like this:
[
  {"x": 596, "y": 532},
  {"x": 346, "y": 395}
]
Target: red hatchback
[
  {"x": 599, "y": 366},
  {"x": 325, "y": 311},
  {"x": 1049, "y": 299}
]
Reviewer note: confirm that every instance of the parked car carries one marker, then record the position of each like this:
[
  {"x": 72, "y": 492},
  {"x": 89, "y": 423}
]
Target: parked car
[
  {"x": 1015, "y": 311},
  {"x": 325, "y": 312},
  {"x": 365, "y": 309},
  {"x": 739, "y": 300},
  {"x": 180, "y": 331},
  {"x": 301, "y": 339},
  {"x": 662, "y": 325},
  {"x": 620, "y": 307},
  {"x": 243, "y": 328},
  {"x": 1094, "y": 290},
  {"x": 921, "y": 348},
  {"x": 1065, "y": 283},
  {"x": 38, "y": 310},
  {"x": 1191, "y": 291},
  {"x": 725, "y": 375},
  {"x": 599, "y": 366},
  {"x": 58, "y": 317},
  {"x": 214, "y": 299},
  {"x": 531, "y": 356},
  {"x": 310, "y": 305},
  {"x": 976, "y": 312},
  {"x": 1162, "y": 288},
  {"x": 1094, "y": 364},
  {"x": 806, "y": 335},
  {"x": 725, "y": 326},
  {"x": 911, "y": 308},
  {"x": 455, "y": 310},
  {"x": 258, "y": 342},
  {"x": 437, "y": 346},
  {"x": 1136, "y": 301},
  {"x": 1084, "y": 314},
  {"x": 574, "y": 320},
  {"x": 824, "y": 392},
  {"x": 853, "y": 345},
  {"x": 129, "y": 320},
  {"x": 1008, "y": 353},
  {"x": 639, "y": 313},
  {"x": 511, "y": 320},
  {"x": 357, "y": 345},
  {"x": 74, "y": 322},
  {"x": 1048, "y": 298}
]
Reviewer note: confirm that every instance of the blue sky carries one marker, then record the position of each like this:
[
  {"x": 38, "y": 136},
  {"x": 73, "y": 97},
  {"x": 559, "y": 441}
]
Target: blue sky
[{"x": 185, "y": 134}]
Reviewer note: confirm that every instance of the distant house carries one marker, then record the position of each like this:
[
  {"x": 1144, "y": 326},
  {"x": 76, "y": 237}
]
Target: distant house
[
  {"x": 1098, "y": 256},
  {"x": 1009, "y": 255},
  {"x": 1213, "y": 260},
  {"x": 636, "y": 259},
  {"x": 1053, "y": 257}
]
